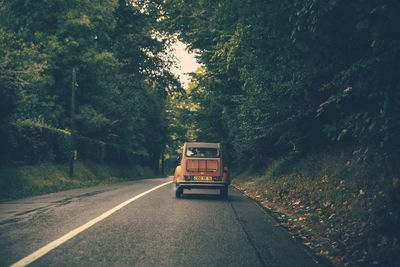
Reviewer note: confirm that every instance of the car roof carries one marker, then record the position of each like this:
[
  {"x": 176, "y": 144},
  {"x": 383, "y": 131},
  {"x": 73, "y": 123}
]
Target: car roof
[{"x": 203, "y": 144}]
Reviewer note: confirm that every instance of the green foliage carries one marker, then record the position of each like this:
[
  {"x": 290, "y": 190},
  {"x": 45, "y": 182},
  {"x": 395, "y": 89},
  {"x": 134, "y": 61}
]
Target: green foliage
[
  {"x": 29, "y": 180},
  {"x": 33, "y": 141},
  {"x": 181, "y": 126},
  {"x": 122, "y": 75},
  {"x": 9, "y": 84},
  {"x": 287, "y": 76}
]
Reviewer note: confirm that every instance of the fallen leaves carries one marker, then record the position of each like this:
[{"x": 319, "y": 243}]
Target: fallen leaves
[
  {"x": 326, "y": 204},
  {"x": 348, "y": 89},
  {"x": 324, "y": 252},
  {"x": 323, "y": 214}
]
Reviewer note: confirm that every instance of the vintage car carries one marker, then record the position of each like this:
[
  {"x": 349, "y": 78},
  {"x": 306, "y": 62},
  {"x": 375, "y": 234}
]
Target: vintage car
[{"x": 201, "y": 166}]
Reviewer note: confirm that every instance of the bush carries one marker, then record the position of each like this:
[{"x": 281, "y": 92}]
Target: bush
[
  {"x": 91, "y": 149},
  {"x": 32, "y": 142}
]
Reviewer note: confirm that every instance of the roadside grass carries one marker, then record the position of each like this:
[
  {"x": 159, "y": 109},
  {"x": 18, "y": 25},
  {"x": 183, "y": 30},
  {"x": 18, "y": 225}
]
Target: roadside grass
[
  {"x": 28, "y": 180},
  {"x": 343, "y": 209}
]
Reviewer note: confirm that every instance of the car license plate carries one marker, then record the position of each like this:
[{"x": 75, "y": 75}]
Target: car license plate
[{"x": 202, "y": 178}]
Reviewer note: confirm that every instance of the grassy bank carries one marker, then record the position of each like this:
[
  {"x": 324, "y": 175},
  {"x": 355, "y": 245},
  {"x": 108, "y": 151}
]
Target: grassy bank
[
  {"x": 28, "y": 180},
  {"x": 342, "y": 208}
]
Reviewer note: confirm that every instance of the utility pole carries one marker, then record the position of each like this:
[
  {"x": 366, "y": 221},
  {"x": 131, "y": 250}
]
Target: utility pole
[
  {"x": 73, "y": 156},
  {"x": 162, "y": 162}
]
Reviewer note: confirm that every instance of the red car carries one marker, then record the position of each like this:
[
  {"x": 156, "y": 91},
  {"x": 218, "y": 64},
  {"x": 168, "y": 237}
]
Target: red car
[{"x": 201, "y": 166}]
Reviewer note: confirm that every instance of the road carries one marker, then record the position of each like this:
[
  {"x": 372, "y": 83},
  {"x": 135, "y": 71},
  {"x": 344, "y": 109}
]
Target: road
[{"x": 152, "y": 229}]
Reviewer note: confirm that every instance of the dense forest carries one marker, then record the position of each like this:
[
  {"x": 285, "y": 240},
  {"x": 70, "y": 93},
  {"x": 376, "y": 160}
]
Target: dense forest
[
  {"x": 283, "y": 76},
  {"x": 277, "y": 77},
  {"x": 288, "y": 79},
  {"x": 121, "y": 65}
]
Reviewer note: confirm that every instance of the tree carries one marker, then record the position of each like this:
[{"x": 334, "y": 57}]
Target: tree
[
  {"x": 294, "y": 75},
  {"x": 122, "y": 74}
]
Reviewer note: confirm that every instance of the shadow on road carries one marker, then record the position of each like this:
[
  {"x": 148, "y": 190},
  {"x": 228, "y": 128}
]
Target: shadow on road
[{"x": 213, "y": 197}]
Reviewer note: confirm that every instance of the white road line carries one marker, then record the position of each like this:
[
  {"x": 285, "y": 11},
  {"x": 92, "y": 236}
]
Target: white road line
[{"x": 44, "y": 250}]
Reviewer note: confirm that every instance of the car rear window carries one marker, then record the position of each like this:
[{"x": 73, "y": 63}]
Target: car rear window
[{"x": 202, "y": 152}]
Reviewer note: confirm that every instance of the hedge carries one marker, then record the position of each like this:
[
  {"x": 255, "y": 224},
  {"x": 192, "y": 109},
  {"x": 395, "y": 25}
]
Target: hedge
[{"x": 28, "y": 142}]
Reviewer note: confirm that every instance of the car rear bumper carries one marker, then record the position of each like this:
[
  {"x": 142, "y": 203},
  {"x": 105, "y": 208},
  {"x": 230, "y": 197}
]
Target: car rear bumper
[{"x": 191, "y": 184}]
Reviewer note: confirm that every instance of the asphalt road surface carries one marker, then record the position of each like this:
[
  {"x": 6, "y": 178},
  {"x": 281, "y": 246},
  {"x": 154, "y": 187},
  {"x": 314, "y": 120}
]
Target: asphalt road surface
[{"x": 125, "y": 224}]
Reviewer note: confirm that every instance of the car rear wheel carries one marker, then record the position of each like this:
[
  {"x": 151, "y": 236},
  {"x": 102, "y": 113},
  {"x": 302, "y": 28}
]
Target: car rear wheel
[
  {"x": 178, "y": 192},
  {"x": 224, "y": 192}
]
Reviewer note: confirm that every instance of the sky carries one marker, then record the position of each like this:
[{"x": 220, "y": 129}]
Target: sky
[{"x": 186, "y": 63}]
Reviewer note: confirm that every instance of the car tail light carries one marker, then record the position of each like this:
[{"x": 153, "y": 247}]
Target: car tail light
[
  {"x": 217, "y": 178},
  {"x": 188, "y": 178}
]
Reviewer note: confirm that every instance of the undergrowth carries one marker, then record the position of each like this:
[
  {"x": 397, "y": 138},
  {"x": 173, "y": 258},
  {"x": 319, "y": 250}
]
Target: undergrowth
[
  {"x": 344, "y": 209},
  {"x": 29, "y": 180}
]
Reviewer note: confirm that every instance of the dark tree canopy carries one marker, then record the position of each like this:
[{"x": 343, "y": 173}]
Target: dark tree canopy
[
  {"x": 294, "y": 75},
  {"x": 122, "y": 70},
  {"x": 278, "y": 76}
]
